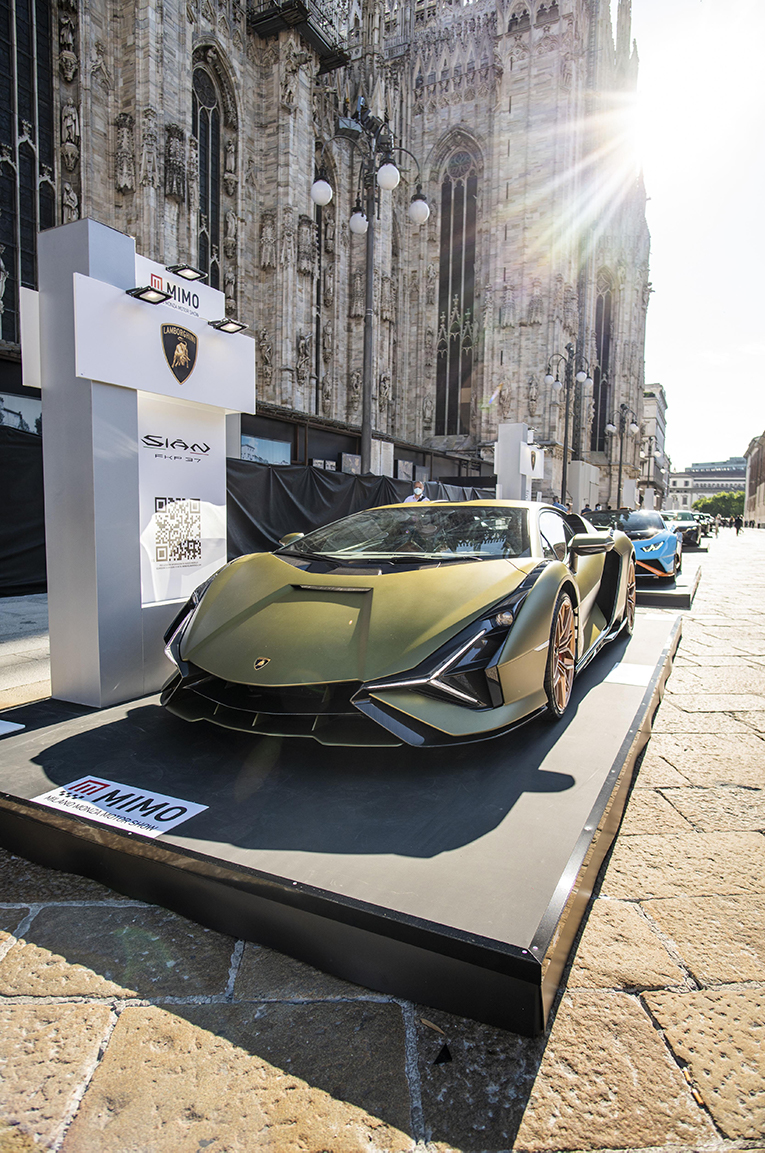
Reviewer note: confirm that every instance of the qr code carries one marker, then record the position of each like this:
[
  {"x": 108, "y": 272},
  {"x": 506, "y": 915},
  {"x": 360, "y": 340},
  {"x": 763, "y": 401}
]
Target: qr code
[{"x": 178, "y": 522}]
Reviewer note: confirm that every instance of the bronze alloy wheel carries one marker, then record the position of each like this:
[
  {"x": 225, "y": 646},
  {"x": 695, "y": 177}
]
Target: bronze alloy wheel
[
  {"x": 630, "y": 600},
  {"x": 561, "y": 659}
]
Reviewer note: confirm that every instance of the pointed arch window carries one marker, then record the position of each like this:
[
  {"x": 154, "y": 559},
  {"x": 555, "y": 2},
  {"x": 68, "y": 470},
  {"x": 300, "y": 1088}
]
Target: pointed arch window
[
  {"x": 206, "y": 117},
  {"x": 601, "y": 394},
  {"x": 27, "y": 194},
  {"x": 456, "y": 301}
]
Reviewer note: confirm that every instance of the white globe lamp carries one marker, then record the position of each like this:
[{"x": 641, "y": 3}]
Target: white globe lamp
[
  {"x": 321, "y": 192},
  {"x": 388, "y": 176},
  {"x": 358, "y": 223}
]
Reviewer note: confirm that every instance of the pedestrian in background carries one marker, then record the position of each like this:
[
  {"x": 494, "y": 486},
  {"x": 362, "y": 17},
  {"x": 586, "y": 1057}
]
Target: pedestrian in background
[{"x": 738, "y": 524}]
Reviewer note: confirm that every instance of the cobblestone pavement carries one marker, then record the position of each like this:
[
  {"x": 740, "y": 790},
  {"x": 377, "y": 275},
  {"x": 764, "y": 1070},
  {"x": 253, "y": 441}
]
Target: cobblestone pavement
[{"x": 127, "y": 1028}]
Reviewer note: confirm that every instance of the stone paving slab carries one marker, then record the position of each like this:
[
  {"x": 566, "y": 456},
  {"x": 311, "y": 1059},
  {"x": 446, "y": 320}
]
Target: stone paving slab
[
  {"x": 723, "y": 680},
  {"x": 110, "y": 952},
  {"x": 720, "y": 809},
  {"x": 288, "y": 1078},
  {"x": 721, "y": 1036},
  {"x": 619, "y": 949},
  {"x": 655, "y": 772},
  {"x": 720, "y": 939},
  {"x": 264, "y": 974},
  {"x": 603, "y": 1071},
  {"x": 685, "y": 865},
  {"x": 649, "y": 809},
  {"x": 46, "y": 1054}
]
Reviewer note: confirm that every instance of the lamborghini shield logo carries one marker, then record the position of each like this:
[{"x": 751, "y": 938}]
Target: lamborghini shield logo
[
  {"x": 180, "y": 348},
  {"x": 261, "y": 663}
]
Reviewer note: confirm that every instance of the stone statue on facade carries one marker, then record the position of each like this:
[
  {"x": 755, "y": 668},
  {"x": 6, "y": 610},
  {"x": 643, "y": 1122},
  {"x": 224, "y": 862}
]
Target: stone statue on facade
[
  {"x": 268, "y": 240},
  {"x": 229, "y": 240},
  {"x": 327, "y": 390},
  {"x": 303, "y": 364},
  {"x": 288, "y": 237},
  {"x": 292, "y": 63},
  {"x": 328, "y": 220},
  {"x": 149, "y": 158},
  {"x": 175, "y": 163},
  {"x": 124, "y": 157},
  {"x": 536, "y": 304},
  {"x": 326, "y": 342},
  {"x": 70, "y": 204},
  {"x": 357, "y": 293},
  {"x": 432, "y": 277},
  {"x": 329, "y": 285},
  {"x": 265, "y": 349},
  {"x": 427, "y": 411},
  {"x": 306, "y": 245},
  {"x": 70, "y": 135},
  {"x": 229, "y": 170},
  {"x": 354, "y": 390},
  {"x": 229, "y": 289}
]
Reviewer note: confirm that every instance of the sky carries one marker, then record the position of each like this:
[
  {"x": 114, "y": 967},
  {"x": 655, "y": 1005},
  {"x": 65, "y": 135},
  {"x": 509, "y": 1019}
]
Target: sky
[{"x": 701, "y": 139}]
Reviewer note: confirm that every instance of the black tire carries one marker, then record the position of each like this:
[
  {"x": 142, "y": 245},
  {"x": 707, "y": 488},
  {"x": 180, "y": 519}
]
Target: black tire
[{"x": 561, "y": 657}]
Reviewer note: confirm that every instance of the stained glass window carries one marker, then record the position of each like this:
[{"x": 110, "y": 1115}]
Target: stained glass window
[
  {"x": 206, "y": 129},
  {"x": 456, "y": 301}
]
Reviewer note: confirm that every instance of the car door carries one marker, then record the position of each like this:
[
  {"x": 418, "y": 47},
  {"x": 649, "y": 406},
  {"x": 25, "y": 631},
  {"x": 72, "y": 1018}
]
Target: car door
[{"x": 556, "y": 534}]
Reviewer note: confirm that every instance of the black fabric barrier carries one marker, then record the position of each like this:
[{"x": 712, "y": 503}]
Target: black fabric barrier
[
  {"x": 22, "y": 514},
  {"x": 266, "y": 501}
]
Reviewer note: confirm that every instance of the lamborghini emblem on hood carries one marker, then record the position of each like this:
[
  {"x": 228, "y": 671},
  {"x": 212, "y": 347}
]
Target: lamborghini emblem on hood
[
  {"x": 261, "y": 663},
  {"x": 180, "y": 348}
]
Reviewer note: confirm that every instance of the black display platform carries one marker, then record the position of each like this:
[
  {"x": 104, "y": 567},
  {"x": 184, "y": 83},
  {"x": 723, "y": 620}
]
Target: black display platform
[
  {"x": 677, "y": 594},
  {"x": 454, "y": 877}
]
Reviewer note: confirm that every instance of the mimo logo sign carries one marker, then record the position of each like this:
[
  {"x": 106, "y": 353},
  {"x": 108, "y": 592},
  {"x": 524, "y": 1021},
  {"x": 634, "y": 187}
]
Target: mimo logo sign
[
  {"x": 122, "y": 806},
  {"x": 178, "y": 293}
]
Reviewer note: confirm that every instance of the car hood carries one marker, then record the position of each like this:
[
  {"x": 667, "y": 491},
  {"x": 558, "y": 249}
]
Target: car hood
[{"x": 310, "y": 627}]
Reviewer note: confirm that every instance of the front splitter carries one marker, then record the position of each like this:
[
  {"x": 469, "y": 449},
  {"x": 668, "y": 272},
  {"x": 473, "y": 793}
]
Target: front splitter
[{"x": 457, "y": 879}]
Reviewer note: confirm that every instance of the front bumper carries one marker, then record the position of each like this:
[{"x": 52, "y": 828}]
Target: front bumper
[{"x": 347, "y": 714}]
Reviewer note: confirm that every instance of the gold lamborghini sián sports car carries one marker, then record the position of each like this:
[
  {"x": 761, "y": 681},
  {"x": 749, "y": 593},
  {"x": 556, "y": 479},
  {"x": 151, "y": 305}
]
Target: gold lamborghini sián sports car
[{"x": 419, "y": 623}]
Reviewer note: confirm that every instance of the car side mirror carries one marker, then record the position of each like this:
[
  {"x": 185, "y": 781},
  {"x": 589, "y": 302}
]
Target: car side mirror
[
  {"x": 290, "y": 538},
  {"x": 588, "y": 544}
]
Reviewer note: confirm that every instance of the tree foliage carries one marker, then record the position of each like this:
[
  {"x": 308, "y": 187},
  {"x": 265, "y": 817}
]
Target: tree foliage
[{"x": 722, "y": 504}]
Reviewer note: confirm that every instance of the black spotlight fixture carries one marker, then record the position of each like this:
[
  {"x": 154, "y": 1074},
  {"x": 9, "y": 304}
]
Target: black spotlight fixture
[
  {"x": 228, "y": 325},
  {"x": 150, "y": 294},
  {"x": 187, "y": 271}
]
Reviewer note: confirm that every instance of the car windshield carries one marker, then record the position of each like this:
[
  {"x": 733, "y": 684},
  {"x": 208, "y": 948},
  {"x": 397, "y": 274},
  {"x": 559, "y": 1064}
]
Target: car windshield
[
  {"x": 425, "y": 531},
  {"x": 682, "y": 516},
  {"x": 627, "y": 521}
]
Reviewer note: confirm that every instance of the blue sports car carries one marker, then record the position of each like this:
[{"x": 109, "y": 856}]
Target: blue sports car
[{"x": 658, "y": 550}]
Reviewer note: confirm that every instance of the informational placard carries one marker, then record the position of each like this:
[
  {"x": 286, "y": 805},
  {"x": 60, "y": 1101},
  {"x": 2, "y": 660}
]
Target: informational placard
[
  {"x": 123, "y": 341},
  {"x": 182, "y": 495},
  {"x": 122, "y": 806}
]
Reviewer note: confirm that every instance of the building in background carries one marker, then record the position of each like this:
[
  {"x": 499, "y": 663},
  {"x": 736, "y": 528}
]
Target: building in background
[
  {"x": 196, "y": 126},
  {"x": 655, "y": 465},
  {"x": 706, "y": 479},
  {"x": 754, "y": 503}
]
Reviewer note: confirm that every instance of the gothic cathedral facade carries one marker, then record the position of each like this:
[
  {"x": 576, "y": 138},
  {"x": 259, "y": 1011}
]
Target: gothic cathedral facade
[{"x": 197, "y": 126}]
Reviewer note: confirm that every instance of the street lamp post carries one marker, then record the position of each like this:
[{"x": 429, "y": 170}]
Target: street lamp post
[
  {"x": 569, "y": 362},
  {"x": 623, "y": 412},
  {"x": 377, "y": 170},
  {"x": 653, "y": 454}
]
